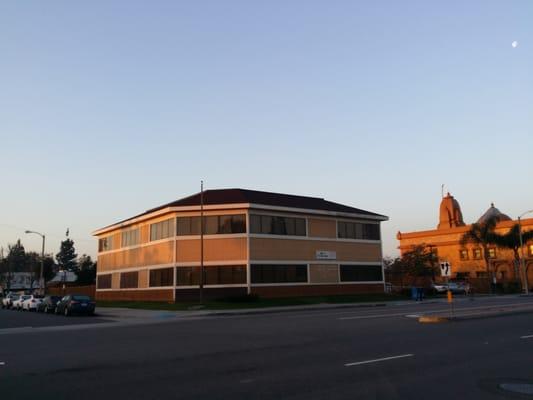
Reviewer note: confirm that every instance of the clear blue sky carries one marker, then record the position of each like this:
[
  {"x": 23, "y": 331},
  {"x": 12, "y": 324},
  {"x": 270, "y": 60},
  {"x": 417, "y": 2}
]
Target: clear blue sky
[{"x": 108, "y": 108}]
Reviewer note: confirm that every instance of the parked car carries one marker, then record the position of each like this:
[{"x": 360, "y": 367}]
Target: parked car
[
  {"x": 75, "y": 304},
  {"x": 439, "y": 287},
  {"x": 17, "y": 303},
  {"x": 32, "y": 302},
  {"x": 7, "y": 302},
  {"x": 457, "y": 287},
  {"x": 48, "y": 305}
]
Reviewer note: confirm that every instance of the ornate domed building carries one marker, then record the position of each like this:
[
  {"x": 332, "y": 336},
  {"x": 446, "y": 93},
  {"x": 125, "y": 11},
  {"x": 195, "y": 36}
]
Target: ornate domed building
[{"x": 468, "y": 261}]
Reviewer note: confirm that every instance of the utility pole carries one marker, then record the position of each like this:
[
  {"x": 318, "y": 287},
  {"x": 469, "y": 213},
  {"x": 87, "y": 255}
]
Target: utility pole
[{"x": 523, "y": 270}]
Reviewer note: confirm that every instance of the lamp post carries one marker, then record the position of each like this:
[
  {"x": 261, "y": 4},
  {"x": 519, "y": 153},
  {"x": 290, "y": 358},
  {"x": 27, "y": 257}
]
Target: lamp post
[
  {"x": 42, "y": 285},
  {"x": 63, "y": 279},
  {"x": 522, "y": 265}
]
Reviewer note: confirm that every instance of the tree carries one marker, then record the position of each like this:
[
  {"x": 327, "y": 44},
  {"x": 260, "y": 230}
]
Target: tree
[
  {"x": 16, "y": 257},
  {"x": 15, "y": 261},
  {"x": 34, "y": 262},
  {"x": 511, "y": 241},
  {"x": 66, "y": 258},
  {"x": 86, "y": 271},
  {"x": 483, "y": 235},
  {"x": 418, "y": 262}
]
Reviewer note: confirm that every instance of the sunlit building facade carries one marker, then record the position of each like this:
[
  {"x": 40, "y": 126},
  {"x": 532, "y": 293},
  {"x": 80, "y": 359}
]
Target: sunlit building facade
[
  {"x": 269, "y": 244},
  {"x": 468, "y": 261}
]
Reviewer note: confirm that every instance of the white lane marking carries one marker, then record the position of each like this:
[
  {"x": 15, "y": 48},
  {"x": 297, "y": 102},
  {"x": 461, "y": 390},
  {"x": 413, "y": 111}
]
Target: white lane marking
[
  {"x": 526, "y": 337},
  {"x": 457, "y": 310},
  {"x": 378, "y": 360},
  {"x": 2, "y": 363},
  {"x": 372, "y": 316}
]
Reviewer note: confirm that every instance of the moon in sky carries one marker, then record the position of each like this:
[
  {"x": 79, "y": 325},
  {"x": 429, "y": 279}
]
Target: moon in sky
[{"x": 514, "y": 44}]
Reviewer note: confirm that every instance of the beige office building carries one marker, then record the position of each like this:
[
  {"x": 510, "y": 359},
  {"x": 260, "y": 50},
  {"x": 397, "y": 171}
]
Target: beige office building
[{"x": 269, "y": 244}]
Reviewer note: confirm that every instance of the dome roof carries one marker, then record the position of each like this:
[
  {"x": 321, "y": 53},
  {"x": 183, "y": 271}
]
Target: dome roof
[{"x": 493, "y": 212}]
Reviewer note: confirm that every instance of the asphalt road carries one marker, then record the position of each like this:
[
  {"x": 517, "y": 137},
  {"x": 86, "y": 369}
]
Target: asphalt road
[{"x": 366, "y": 353}]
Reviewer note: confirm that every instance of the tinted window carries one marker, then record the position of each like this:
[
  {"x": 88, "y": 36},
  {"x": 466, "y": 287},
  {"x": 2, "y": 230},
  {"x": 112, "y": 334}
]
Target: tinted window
[
  {"x": 162, "y": 230},
  {"x": 361, "y": 273},
  {"x": 276, "y": 225},
  {"x": 162, "y": 277},
  {"x": 213, "y": 225},
  {"x": 357, "y": 230},
  {"x": 267, "y": 273},
  {"x": 129, "y": 280},
  {"x": 213, "y": 275},
  {"x": 104, "y": 281}
]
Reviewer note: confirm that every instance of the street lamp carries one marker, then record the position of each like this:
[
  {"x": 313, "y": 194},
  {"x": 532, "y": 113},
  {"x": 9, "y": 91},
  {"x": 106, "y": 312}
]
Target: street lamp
[
  {"x": 41, "y": 279},
  {"x": 522, "y": 265}
]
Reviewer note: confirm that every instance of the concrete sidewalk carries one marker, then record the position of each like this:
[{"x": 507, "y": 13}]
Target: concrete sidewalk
[{"x": 135, "y": 315}]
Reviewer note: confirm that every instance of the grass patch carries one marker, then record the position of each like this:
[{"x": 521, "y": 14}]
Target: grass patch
[{"x": 247, "y": 302}]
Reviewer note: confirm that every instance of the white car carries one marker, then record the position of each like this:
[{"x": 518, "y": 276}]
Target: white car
[
  {"x": 32, "y": 303},
  {"x": 7, "y": 301},
  {"x": 17, "y": 303}
]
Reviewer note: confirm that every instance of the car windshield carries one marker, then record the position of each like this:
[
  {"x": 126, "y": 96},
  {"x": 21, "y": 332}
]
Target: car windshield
[
  {"x": 38, "y": 297},
  {"x": 55, "y": 298},
  {"x": 81, "y": 298},
  {"x": 26, "y": 297}
]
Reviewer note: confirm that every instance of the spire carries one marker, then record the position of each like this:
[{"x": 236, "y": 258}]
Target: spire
[{"x": 450, "y": 213}]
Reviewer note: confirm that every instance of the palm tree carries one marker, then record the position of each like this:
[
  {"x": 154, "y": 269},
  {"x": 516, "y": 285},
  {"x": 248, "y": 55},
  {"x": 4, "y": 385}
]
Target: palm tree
[
  {"x": 511, "y": 241},
  {"x": 483, "y": 235}
]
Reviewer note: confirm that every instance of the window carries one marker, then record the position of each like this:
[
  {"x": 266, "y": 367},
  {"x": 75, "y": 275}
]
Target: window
[
  {"x": 213, "y": 225},
  {"x": 462, "y": 275},
  {"x": 481, "y": 274},
  {"x": 188, "y": 226},
  {"x": 492, "y": 252},
  {"x": 463, "y": 254},
  {"x": 162, "y": 230},
  {"x": 104, "y": 281},
  {"x": 105, "y": 244},
  {"x": 162, "y": 277},
  {"x": 130, "y": 237},
  {"x": 357, "y": 230},
  {"x": 361, "y": 273},
  {"x": 129, "y": 280},
  {"x": 266, "y": 273},
  {"x": 477, "y": 254},
  {"x": 213, "y": 275},
  {"x": 275, "y": 225}
]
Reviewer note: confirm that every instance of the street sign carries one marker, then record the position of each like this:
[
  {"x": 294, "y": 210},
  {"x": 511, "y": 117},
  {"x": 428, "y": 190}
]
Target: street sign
[{"x": 445, "y": 269}]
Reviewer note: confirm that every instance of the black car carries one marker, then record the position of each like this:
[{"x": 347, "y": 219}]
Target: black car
[
  {"x": 48, "y": 305},
  {"x": 75, "y": 304}
]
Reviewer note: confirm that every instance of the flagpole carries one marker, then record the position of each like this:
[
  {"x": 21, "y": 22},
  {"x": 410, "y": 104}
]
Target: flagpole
[{"x": 201, "y": 242}]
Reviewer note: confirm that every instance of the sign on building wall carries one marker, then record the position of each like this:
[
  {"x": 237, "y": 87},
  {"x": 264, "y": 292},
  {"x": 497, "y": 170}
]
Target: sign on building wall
[
  {"x": 445, "y": 269},
  {"x": 326, "y": 255}
]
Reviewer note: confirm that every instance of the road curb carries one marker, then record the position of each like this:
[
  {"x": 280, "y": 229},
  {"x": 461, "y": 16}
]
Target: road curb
[{"x": 432, "y": 319}]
